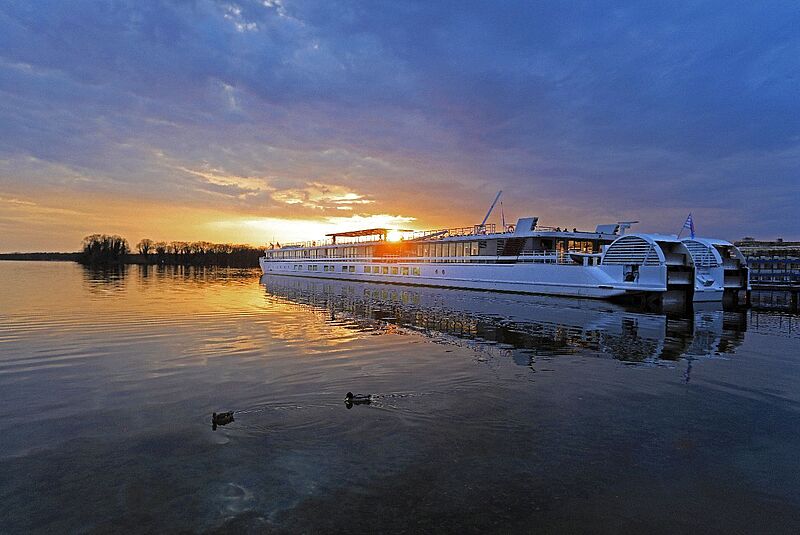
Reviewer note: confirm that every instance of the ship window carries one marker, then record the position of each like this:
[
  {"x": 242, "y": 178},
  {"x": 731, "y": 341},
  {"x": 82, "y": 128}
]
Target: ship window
[
  {"x": 437, "y": 250},
  {"x": 452, "y": 249},
  {"x": 385, "y": 270},
  {"x": 460, "y": 249},
  {"x": 415, "y": 271},
  {"x": 405, "y": 271},
  {"x": 344, "y": 269},
  {"x": 367, "y": 269},
  {"x": 426, "y": 250},
  {"x": 352, "y": 269},
  {"x": 394, "y": 270}
]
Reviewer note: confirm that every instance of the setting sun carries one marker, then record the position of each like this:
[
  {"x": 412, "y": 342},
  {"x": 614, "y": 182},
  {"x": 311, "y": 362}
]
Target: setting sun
[{"x": 394, "y": 235}]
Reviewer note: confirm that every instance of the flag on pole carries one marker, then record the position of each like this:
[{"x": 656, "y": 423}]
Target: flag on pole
[{"x": 690, "y": 225}]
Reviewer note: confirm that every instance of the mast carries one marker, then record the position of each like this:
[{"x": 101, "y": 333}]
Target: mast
[{"x": 483, "y": 223}]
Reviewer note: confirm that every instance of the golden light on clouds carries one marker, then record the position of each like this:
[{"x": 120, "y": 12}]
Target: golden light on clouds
[
  {"x": 247, "y": 185},
  {"x": 319, "y": 196},
  {"x": 267, "y": 229},
  {"x": 29, "y": 224}
]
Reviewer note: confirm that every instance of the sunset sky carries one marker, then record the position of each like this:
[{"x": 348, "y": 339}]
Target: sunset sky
[{"x": 248, "y": 121}]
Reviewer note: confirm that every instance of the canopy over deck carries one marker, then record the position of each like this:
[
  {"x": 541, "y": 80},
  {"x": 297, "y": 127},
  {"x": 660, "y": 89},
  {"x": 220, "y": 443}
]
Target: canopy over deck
[{"x": 382, "y": 232}]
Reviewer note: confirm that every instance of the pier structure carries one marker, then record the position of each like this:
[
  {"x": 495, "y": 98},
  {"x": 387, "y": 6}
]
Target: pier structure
[
  {"x": 774, "y": 267},
  {"x": 772, "y": 263}
]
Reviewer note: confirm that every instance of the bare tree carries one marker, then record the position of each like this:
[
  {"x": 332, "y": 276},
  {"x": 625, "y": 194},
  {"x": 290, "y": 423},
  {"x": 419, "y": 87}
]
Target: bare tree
[
  {"x": 104, "y": 249},
  {"x": 144, "y": 246},
  {"x": 161, "y": 251}
]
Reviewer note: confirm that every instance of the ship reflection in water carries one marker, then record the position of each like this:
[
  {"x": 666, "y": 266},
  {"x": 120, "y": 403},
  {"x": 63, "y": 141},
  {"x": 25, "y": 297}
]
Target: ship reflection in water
[{"x": 528, "y": 327}]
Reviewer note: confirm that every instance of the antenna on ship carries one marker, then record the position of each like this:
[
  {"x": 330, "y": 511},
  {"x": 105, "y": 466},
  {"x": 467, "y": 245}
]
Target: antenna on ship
[
  {"x": 497, "y": 198},
  {"x": 625, "y": 225}
]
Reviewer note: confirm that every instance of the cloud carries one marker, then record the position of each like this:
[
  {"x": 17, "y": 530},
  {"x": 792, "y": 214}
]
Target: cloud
[
  {"x": 238, "y": 186},
  {"x": 321, "y": 196}
]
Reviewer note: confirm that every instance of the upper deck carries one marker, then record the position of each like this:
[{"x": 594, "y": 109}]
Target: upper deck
[{"x": 520, "y": 242}]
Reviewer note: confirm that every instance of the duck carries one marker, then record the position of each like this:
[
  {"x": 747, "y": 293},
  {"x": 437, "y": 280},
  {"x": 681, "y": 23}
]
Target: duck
[
  {"x": 357, "y": 399},
  {"x": 223, "y": 418}
]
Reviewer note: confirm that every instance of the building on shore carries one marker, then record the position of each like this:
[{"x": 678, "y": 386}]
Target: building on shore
[{"x": 772, "y": 262}]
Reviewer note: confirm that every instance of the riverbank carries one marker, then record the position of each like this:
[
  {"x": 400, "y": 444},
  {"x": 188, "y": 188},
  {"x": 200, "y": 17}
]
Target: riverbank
[
  {"x": 136, "y": 259},
  {"x": 45, "y": 257}
]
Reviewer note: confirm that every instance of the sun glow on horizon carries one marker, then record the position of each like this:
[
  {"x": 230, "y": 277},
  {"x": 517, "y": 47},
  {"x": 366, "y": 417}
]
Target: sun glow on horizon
[{"x": 269, "y": 229}]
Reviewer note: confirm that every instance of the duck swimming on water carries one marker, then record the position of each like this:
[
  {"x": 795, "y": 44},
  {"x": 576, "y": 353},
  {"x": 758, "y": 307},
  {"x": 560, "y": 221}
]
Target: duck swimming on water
[
  {"x": 357, "y": 399},
  {"x": 222, "y": 418}
]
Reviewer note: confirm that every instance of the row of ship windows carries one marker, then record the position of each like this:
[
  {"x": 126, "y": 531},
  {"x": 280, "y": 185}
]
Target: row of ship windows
[
  {"x": 774, "y": 265},
  {"x": 384, "y": 270},
  {"x": 443, "y": 249},
  {"x": 774, "y": 278}
]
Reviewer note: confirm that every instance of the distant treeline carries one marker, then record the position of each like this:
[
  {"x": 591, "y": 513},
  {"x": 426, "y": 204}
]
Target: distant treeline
[
  {"x": 113, "y": 249},
  {"x": 64, "y": 257}
]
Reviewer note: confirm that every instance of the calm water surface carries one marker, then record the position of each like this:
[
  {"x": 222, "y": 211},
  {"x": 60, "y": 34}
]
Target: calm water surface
[{"x": 495, "y": 413}]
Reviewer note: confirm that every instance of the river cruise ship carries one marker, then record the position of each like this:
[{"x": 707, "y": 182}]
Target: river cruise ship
[{"x": 605, "y": 263}]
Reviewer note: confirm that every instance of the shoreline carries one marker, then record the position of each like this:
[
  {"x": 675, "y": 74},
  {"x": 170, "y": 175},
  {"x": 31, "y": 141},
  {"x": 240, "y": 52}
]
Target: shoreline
[{"x": 134, "y": 259}]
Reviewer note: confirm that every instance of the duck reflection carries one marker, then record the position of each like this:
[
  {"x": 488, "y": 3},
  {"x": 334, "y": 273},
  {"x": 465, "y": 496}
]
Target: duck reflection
[{"x": 532, "y": 326}]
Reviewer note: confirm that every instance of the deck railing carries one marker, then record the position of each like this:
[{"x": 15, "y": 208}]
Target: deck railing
[
  {"x": 536, "y": 257},
  {"x": 418, "y": 235}
]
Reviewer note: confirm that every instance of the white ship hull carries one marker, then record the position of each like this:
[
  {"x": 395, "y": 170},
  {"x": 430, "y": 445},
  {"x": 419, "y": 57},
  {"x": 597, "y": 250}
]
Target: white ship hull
[{"x": 532, "y": 278}]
